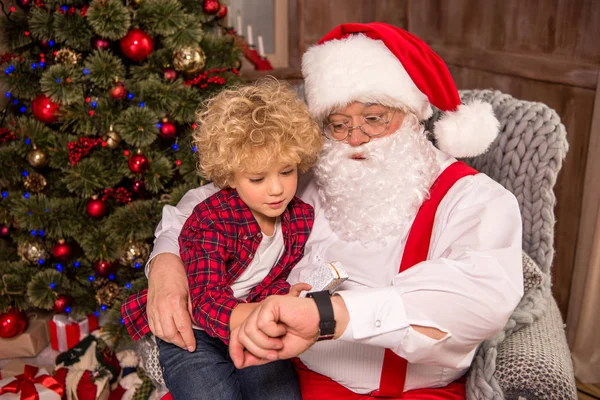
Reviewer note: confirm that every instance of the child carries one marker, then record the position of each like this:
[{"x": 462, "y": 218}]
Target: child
[{"x": 240, "y": 244}]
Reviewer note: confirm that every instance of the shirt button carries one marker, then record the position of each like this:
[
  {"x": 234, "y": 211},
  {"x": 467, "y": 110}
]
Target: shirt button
[
  {"x": 378, "y": 324},
  {"x": 245, "y": 237},
  {"x": 318, "y": 258},
  {"x": 251, "y": 256},
  {"x": 259, "y": 235}
]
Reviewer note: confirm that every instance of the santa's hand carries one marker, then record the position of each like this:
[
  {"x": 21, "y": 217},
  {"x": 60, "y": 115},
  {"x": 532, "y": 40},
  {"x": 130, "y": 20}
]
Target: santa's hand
[
  {"x": 281, "y": 327},
  {"x": 296, "y": 289}
]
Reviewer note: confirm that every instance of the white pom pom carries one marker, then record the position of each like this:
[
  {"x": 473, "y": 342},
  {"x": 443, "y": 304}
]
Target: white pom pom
[{"x": 468, "y": 131}]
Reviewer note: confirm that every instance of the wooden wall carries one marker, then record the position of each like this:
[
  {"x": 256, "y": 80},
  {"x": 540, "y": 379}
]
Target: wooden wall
[{"x": 539, "y": 50}]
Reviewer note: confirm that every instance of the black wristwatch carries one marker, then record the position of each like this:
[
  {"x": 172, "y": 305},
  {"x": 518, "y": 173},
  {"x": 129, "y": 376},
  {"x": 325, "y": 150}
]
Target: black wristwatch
[{"x": 327, "y": 320}]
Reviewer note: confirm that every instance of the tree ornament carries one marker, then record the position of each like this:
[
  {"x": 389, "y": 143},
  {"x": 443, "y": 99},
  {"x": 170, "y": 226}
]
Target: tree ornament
[
  {"x": 32, "y": 251},
  {"x": 169, "y": 74},
  {"x": 62, "y": 302},
  {"x": 103, "y": 267},
  {"x": 137, "y": 45},
  {"x": 107, "y": 294},
  {"x": 190, "y": 60},
  {"x": 24, "y": 4},
  {"x": 118, "y": 91},
  {"x": 138, "y": 163},
  {"x": 67, "y": 57},
  {"x": 44, "y": 109},
  {"x": 12, "y": 323},
  {"x": 210, "y": 6},
  {"x": 222, "y": 13},
  {"x": 62, "y": 251},
  {"x": 37, "y": 158},
  {"x": 135, "y": 253},
  {"x": 95, "y": 208},
  {"x": 168, "y": 130},
  {"x": 100, "y": 43},
  {"x": 138, "y": 187},
  {"x": 35, "y": 182},
  {"x": 4, "y": 230},
  {"x": 112, "y": 138}
]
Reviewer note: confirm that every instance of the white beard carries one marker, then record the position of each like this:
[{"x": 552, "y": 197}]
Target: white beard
[{"x": 371, "y": 199}]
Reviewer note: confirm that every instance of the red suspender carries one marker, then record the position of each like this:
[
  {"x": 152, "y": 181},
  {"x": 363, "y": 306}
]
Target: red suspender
[{"x": 393, "y": 372}]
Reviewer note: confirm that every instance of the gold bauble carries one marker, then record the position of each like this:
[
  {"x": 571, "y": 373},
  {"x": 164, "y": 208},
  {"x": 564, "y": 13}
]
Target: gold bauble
[
  {"x": 32, "y": 251},
  {"x": 135, "y": 253},
  {"x": 35, "y": 182},
  {"x": 107, "y": 294},
  {"x": 37, "y": 158},
  {"x": 112, "y": 139},
  {"x": 67, "y": 57},
  {"x": 190, "y": 60}
]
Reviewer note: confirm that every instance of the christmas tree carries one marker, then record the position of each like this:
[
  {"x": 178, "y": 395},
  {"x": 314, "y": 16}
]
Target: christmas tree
[{"x": 95, "y": 140}]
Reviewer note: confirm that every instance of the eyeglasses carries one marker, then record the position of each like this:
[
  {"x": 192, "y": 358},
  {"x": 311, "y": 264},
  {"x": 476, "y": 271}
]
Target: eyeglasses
[{"x": 372, "y": 126}]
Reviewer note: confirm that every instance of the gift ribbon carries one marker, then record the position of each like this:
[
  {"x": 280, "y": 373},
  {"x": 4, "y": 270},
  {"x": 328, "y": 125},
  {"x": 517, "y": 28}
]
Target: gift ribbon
[{"x": 25, "y": 384}]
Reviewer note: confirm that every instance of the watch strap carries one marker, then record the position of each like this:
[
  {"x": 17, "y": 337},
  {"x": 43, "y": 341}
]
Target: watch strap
[{"x": 327, "y": 319}]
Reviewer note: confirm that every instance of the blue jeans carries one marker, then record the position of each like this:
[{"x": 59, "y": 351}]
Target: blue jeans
[{"x": 209, "y": 373}]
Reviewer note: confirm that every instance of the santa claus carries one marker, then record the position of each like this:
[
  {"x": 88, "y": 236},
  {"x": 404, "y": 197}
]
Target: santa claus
[{"x": 432, "y": 248}]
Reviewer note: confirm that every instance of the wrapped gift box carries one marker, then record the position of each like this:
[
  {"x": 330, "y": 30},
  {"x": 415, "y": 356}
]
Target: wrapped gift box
[
  {"x": 29, "y": 343},
  {"x": 29, "y": 383},
  {"x": 66, "y": 332}
]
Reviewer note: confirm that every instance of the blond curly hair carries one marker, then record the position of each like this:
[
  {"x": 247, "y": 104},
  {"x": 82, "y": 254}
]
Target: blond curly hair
[{"x": 250, "y": 128}]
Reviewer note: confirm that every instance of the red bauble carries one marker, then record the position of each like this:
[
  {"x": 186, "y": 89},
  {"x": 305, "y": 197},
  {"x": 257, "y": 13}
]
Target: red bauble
[
  {"x": 210, "y": 6},
  {"x": 138, "y": 187},
  {"x": 62, "y": 251},
  {"x": 168, "y": 130},
  {"x": 12, "y": 323},
  {"x": 222, "y": 11},
  {"x": 4, "y": 230},
  {"x": 103, "y": 268},
  {"x": 169, "y": 74},
  {"x": 24, "y": 3},
  {"x": 137, "y": 45},
  {"x": 44, "y": 109},
  {"x": 62, "y": 302},
  {"x": 96, "y": 208},
  {"x": 118, "y": 91},
  {"x": 138, "y": 163},
  {"x": 99, "y": 43}
]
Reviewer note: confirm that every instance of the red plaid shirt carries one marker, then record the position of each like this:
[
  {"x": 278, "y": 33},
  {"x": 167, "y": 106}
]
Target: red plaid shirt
[{"x": 217, "y": 243}]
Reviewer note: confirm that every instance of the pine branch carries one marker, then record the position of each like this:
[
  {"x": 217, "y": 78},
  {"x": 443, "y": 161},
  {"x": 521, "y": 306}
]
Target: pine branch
[
  {"x": 72, "y": 30},
  {"x": 104, "y": 68},
  {"x": 41, "y": 23},
  {"x": 87, "y": 178},
  {"x": 161, "y": 17},
  {"x": 159, "y": 173},
  {"x": 137, "y": 126},
  {"x": 188, "y": 36},
  {"x": 134, "y": 221},
  {"x": 109, "y": 18},
  {"x": 63, "y": 84}
]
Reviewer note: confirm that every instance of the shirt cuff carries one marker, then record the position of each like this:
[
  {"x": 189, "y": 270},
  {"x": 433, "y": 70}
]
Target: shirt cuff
[
  {"x": 163, "y": 245},
  {"x": 373, "y": 312}
]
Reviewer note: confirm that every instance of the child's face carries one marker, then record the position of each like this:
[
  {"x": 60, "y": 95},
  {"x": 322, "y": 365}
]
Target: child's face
[{"x": 267, "y": 193}]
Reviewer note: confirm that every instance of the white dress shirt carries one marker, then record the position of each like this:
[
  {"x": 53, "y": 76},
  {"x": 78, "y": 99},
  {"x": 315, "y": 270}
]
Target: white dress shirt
[{"x": 468, "y": 287}]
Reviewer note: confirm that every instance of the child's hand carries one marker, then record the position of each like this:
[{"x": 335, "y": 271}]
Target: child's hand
[{"x": 297, "y": 288}]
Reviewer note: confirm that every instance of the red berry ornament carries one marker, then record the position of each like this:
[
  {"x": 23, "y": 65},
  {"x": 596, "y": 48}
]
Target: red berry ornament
[
  {"x": 138, "y": 163},
  {"x": 4, "y": 230},
  {"x": 12, "y": 323},
  {"x": 99, "y": 43},
  {"x": 62, "y": 302},
  {"x": 168, "y": 130},
  {"x": 96, "y": 208},
  {"x": 103, "y": 268},
  {"x": 169, "y": 74},
  {"x": 210, "y": 6},
  {"x": 222, "y": 13},
  {"x": 137, "y": 45},
  {"x": 118, "y": 91},
  {"x": 44, "y": 109},
  {"x": 62, "y": 251}
]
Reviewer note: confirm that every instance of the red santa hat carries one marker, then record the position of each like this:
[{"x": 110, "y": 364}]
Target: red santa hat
[{"x": 379, "y": 63}]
